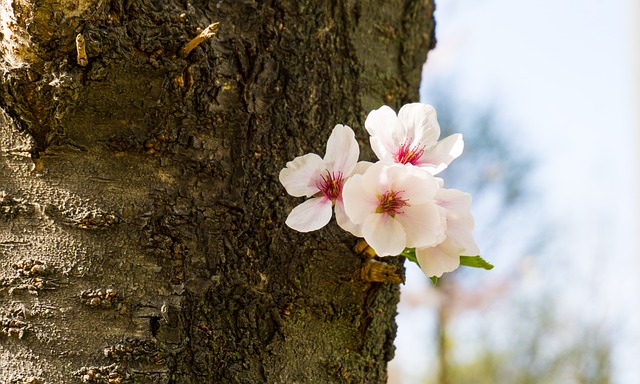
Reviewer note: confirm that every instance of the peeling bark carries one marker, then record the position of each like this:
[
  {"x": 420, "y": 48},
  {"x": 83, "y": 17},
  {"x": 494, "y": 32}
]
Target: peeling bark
[{"x": 142, "y": 235}]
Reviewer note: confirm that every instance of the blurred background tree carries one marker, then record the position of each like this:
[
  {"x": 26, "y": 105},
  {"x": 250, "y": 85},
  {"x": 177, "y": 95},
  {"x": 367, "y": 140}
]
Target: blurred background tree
[{"x": 502, "y": 326}]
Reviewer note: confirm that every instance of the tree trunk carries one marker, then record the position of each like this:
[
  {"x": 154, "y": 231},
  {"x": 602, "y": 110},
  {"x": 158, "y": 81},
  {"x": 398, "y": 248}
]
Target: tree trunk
[{"x": 142, "y": 235}]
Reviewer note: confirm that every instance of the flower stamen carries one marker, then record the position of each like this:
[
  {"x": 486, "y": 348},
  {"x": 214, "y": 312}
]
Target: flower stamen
[
  {"x": 408, "y": 154},
  {"x": 331, "y": 185},
  {"x": 391, "y": 203}
]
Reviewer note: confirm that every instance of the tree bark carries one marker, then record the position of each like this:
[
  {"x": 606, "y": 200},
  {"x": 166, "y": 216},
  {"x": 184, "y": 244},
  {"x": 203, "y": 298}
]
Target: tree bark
[{"x": 142, "y": 235}]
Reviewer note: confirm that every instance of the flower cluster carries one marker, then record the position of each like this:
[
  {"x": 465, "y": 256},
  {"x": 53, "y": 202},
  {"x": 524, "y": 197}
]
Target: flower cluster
[{"x": 396, "y": 204}]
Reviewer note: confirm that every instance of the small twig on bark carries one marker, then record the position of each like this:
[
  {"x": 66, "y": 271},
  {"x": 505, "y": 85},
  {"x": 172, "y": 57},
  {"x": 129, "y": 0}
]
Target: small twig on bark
[
  {"x": 82, "y": 53},
  {"x": 208, "y": 32}
]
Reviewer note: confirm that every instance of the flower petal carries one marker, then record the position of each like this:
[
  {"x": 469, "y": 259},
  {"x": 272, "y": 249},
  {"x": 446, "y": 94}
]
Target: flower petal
[
  {"x": 420, "y": 124},
  {"x": 417, "y": 185},
  {"x": 424, "y": 224},
  {"x": 459, "y": 232},
  {"x": 302, "y": 174},
  {"x": 359, "y": 201},
  {"x": 342, "y": 150},
  {"x": 376, "y": 179},
  {"x": 435, "y": 261},
  {"x": 361, "y": 167},
  {"x": 311, "y": 215},
  {"x": 393, "y": 176},
  {"x": 464, "y": 240},
  {"x": 454, "y": 200},
  {"x": 459, "y": 219},
  {"x": 439, "y": 156},
  {"x": 344, "y": 222},
  {"x": 381, "y": 150},
  {"x": 381, "y": 125},
  {"x": 384, "y": 234}
]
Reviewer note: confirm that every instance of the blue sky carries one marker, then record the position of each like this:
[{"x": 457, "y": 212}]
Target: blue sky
[{"x": 561, "y": 74}]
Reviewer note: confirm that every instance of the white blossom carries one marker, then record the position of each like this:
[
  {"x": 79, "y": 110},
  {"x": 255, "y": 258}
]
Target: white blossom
[
  {"x": 411, "y": 137},
  {"x": 322, "y": 180},
  {"x": 445, "y": 256},
  {"x": 395, "y": 208}
]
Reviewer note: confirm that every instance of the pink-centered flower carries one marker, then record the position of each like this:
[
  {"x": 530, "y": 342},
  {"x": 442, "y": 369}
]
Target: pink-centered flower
[
  {"x": 322, "y": 179},
  {"x": 445, "y": 256},
  {"x": 395, "y": 208},
  {"x": 411, "y": 137}
]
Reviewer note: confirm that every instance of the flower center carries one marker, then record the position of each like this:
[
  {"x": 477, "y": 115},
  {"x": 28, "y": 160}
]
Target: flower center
[
  {"x": 391, "y": 203},
  {"x": 408, "y": 154},
  {"x": 331, "y": 185}
]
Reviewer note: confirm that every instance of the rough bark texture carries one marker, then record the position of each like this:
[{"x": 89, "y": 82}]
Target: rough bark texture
[{"x": 142, "y": 235}]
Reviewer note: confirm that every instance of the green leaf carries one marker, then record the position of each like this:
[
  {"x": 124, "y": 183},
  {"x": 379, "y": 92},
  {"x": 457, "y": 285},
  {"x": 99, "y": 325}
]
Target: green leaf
[
  {"x": 475, "y": 262},
  {"x": 434, "y": 280}
]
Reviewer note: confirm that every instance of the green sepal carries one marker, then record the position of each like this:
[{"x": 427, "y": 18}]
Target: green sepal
[
  {"x": 410, "y": 254},
  {"x": 475, "y": 262}
]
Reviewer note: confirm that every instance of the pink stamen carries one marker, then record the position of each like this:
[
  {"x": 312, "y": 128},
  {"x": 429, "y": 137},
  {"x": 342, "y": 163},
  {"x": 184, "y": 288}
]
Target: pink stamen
[
  {"x": 391, "y": 203},
  {"x": 407, "y": 154},
  {"x": 331, "y": 185}
]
